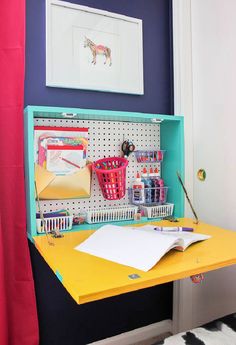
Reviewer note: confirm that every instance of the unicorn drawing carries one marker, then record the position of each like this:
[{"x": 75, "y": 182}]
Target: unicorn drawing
[{"x": 98, "y": 50}]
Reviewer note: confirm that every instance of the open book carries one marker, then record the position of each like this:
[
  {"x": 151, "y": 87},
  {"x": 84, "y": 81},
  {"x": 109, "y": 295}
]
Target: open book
[{"x": 138, "y": 247}]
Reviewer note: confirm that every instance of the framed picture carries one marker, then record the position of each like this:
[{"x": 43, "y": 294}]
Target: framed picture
[{"x": 91, "y": 49}]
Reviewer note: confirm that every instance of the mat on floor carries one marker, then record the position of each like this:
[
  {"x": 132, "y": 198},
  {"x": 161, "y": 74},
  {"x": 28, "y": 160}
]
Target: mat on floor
[{"x": 218, "y": 332}]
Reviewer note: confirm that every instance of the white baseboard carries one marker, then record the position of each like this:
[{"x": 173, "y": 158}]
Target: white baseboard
[{"x": 138, "y": 334}]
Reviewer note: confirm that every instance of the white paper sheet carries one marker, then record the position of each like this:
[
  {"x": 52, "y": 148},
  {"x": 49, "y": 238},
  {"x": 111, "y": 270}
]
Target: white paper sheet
[{"x": 128, "y": 246}]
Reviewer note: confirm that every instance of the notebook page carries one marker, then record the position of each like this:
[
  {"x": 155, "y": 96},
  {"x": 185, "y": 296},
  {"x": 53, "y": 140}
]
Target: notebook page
[{"x": 128, "y": 246}]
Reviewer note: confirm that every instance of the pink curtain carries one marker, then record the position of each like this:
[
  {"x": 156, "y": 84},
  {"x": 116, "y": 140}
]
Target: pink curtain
[{"x": 18, "y": 316}]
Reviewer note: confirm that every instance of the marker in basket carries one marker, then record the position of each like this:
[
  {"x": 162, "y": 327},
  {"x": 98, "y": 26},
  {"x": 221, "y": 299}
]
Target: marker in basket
[{"x": 172, "y": 228}]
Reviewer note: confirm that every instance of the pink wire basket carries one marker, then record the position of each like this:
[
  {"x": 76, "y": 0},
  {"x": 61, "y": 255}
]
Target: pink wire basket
[{"x": 111, "y": 174}]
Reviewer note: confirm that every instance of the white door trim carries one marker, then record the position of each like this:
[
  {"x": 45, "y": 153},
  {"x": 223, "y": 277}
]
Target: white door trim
[{"x": 183, "y": 104}]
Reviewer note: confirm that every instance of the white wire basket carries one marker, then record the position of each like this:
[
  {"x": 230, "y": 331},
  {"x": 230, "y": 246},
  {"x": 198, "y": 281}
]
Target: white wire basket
[
  {"x": 111, "y": 214},
  {"x": 158, "y": 211},
  {"x": 54, "y": 223},
  {"x": 152, "y": 196},
  {"x": 154, "y": 156}
]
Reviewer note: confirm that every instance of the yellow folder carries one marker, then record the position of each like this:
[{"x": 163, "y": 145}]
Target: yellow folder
[{"x": 52, "y": 187}]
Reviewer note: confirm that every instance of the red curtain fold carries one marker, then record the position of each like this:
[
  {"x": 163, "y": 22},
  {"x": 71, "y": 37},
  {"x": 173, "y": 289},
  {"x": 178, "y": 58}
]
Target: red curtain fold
[
  {"x": 3, "y": 310},
  {"x": 18, "y": 315}
]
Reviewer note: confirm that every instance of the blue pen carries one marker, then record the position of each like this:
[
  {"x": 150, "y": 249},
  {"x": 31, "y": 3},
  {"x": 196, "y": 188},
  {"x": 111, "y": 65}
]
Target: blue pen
[{"x": 172, "y": 228}]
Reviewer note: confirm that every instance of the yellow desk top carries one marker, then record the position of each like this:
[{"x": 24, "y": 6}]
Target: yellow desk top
[{"x": 88, "y": 278}]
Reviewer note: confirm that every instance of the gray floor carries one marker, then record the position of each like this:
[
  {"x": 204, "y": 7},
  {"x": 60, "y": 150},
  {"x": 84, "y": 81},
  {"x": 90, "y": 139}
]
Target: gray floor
[{"x": 154, "y": 340}]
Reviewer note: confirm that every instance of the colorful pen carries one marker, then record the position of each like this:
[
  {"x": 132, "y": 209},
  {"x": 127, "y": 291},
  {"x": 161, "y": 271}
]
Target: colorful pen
[
  {"x": 69, "y": 162},
  {"x": 172, "y": 229}
]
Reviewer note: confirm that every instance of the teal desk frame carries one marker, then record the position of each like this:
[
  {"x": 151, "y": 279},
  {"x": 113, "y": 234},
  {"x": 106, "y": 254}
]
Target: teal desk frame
[{"x": 172, "y": 140}]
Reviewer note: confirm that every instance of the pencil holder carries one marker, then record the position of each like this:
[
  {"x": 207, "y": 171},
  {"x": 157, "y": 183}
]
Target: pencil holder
[{"x": 111, "y": 174}]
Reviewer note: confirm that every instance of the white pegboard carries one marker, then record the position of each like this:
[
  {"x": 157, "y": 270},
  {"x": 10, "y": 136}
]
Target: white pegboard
[{"x": 105, "y": 139}]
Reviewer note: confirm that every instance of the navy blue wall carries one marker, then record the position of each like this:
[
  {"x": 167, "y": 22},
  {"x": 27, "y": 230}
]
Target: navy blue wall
[
  {"x": 157, "y": 49},
  {"x": 82, "y": 324}
]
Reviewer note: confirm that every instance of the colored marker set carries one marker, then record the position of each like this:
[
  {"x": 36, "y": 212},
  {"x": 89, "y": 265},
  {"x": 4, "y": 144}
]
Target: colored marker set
[
  {"x": 59, "y": 213},
  {"x": 109, "y": 165}
]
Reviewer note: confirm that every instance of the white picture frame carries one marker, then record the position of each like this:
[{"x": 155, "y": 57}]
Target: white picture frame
[{"x": 92, "y": 49}]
